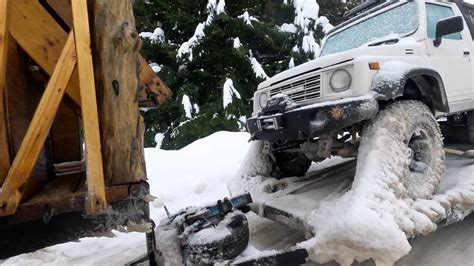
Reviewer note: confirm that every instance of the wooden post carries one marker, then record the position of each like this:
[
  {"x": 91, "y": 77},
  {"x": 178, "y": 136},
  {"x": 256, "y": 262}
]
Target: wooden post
[
  {"x": 96, "y": 201},
  {"x": 25, "y": 160},
  {"x": 116, "y": 44},
  {"x": 4, "y": 35}
]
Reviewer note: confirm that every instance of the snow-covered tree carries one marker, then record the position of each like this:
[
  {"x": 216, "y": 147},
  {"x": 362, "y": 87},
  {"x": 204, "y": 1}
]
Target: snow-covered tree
[{"x": 214, "y": 53}]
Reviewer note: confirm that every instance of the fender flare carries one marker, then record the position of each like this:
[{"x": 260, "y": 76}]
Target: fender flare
[{"x": 390, "y": 84}]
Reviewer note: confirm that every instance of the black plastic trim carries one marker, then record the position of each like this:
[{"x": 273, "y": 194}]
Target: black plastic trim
[{"x": 311, "y": 122}]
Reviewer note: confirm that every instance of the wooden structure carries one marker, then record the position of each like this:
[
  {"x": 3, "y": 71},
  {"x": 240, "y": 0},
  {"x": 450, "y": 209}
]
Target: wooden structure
[{"x": 71, "y": 135}]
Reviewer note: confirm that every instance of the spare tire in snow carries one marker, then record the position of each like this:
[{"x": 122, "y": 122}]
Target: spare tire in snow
[
  {"x": 223, "y": 242},
  {"x": 409, "y": 135}
]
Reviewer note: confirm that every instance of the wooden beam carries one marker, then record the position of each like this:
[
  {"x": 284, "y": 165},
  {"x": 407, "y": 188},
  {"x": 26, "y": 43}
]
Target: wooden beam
[
  {"x": 25, "y": 160},
  {"x": 42, "y": 39},
  {"x": 116, "y": 46},
  {"x": 4, "y": 35},
  {"x": 96, "y": 200},
  {"x": 63, "y": 9},
  {"x": 149, "y": 82}
]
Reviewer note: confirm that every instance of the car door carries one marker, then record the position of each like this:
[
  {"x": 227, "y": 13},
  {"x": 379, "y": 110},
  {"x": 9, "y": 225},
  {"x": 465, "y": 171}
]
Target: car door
[{"x": 452, "y": 59}]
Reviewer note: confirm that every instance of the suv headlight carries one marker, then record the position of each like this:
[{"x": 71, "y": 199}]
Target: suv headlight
[
  {"x": 262, "y": 99},
  {"x": 340, "y": 80}
]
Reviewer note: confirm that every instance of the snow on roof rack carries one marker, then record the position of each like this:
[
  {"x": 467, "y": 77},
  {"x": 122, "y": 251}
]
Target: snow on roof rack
[
  {"x": 361, "y": 8},
  {"x": 361, "y": 11}
]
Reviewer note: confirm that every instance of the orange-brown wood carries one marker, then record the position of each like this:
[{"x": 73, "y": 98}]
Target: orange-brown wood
[
  {"x": 4, "y": 36},
  {"x": 41, "y": 37},
  {"x": 23, "y": 96},
  {"x": 116, "y": 51},
  {"x": 66, "y": 135},
  {"x": 26, "y": 158},
  {"x": 151, "y": 86},
  {"x": 96, "y": 200},
  {"x": 63, "y": 9}
]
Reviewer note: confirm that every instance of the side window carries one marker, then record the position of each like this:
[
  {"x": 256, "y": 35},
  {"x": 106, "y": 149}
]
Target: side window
[{"x": 434, "y": 14}]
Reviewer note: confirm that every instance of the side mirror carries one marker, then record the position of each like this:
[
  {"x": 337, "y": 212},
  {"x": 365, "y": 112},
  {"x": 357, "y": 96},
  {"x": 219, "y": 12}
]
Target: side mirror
[{"x": 448, "y": 26}]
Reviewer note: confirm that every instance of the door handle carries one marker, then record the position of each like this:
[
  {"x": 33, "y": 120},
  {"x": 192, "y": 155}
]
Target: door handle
[{"x": 467, "y": 53}]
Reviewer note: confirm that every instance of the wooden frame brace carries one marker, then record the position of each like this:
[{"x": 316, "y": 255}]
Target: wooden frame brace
[{"x": 35, "y": 137}]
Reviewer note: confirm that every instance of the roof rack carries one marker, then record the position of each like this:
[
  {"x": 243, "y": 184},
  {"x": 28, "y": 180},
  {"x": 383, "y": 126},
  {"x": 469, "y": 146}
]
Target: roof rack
[
  {"x": 361, "y": 11},
  {"x": 361, "y": 8}
]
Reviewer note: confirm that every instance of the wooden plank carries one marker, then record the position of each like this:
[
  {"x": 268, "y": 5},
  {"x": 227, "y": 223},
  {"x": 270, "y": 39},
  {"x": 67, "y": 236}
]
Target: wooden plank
[
  {"x": 61, "y": 202},
  {"x": 4, "y": 36},
  {"x": 66, "y": 135},
  {"x": 149, "y": 82},
  {"x": 96, "y": 200},
  {"x": 23, "y": 96},
  {"x": 25, "y": 160},
  {"x": 42, "y": 38},
  {"x": 63, "y": 9}
]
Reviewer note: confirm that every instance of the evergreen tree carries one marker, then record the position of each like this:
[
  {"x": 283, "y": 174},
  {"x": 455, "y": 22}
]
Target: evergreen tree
[{"x": 214, "y": 53}]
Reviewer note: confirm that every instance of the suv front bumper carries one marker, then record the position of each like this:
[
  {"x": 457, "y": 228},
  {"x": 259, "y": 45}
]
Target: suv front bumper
[{"x": 312, "y": 121}]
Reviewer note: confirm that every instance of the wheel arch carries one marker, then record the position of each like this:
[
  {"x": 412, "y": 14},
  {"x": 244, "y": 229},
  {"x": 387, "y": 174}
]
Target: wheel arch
[{"x": 428, "y": 84}]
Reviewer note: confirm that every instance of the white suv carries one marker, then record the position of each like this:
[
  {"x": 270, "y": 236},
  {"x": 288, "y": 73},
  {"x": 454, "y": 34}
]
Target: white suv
[{"x": 389, "y": 58}]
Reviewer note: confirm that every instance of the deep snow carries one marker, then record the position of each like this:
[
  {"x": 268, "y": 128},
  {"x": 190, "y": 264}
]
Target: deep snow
[
  {"x": 199, "y": 174},
  {"x": 370, "y": 218},
  {"x": 193, "y": 176}
]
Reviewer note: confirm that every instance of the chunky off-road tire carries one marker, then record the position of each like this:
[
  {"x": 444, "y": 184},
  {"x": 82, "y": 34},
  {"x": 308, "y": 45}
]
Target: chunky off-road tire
[
  {"x": 226, "y": 248},
  {"x": 470, "y": 125},
  {"x": 289, "y": 164},
  {"x": 408, "y": 136}
]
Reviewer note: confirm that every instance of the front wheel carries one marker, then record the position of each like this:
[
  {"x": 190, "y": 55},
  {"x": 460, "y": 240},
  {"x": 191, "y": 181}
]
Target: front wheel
[
  {"x": 408, "y": 136},
  {"x": 287, "y": 164}
]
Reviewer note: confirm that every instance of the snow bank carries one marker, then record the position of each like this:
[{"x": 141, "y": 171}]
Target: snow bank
[
  {"x": 375, "y": 217},
  {"x": 369, "y": 220},
  {"x": 193, "y": 176}
]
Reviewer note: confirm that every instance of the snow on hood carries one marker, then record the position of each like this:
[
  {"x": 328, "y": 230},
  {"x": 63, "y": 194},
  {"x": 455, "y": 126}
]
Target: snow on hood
[{"x": 319, "y": 63}]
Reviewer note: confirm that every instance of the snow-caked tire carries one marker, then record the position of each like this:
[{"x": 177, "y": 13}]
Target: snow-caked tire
[
  {"x": 290, "y": 164},
  {"x": 408, "y": 135},
  {"x": 219, "y": 247},
  {"x": 470, "y": 125}
]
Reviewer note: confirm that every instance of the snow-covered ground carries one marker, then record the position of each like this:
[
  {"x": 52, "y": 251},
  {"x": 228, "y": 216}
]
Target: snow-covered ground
[
  {"x": 199, "y": 173},
  {"x": 193, "y": 176}
]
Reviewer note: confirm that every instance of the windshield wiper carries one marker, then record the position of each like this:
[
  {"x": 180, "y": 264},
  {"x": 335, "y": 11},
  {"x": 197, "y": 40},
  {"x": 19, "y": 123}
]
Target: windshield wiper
[{"x": 389, "y": 41}]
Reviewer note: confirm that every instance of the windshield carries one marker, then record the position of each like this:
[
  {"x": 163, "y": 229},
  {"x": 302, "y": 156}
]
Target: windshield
[{"x": 396, "y": 22}]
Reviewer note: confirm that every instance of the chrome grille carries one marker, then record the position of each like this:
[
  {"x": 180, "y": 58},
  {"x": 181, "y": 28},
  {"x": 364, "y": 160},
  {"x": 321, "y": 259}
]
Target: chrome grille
[{"x": 302, "y": 90}]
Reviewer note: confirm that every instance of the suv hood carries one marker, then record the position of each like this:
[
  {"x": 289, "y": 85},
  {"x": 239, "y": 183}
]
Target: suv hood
[{"x": 314, "y": 65}]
